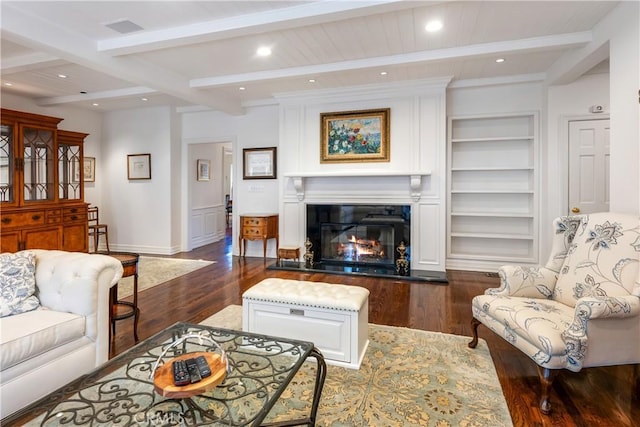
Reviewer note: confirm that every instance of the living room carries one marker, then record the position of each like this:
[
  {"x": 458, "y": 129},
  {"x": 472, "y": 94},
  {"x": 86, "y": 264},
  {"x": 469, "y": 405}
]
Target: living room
[{"x": 170, "y": 214}]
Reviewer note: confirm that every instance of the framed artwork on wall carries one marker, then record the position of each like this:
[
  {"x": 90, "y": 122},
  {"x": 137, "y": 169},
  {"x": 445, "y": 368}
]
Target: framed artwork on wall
[
  {"x": 259, "y": 163},
  {"x": 139, "y": 166},
  {"x": 355, "y": 136},
  {"x": 203, "y": 169},
  {"x": 89, "y": 169}
]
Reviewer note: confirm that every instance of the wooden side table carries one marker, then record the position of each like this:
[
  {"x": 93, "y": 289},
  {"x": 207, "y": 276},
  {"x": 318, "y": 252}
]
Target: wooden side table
[
  {"x": 258, "y": 227},
  {"x": 288, "y": 252},
  {"x": 124, "y": 309}
]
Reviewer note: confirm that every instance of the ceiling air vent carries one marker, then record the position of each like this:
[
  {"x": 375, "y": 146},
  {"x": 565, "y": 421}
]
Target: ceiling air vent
[{"x": 125, "y": 26}]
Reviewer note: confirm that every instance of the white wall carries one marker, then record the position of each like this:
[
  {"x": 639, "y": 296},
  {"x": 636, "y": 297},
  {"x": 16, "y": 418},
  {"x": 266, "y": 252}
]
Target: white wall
[
  {"x": 624, "y": 53},
  {"x": 139, "y": 212}
]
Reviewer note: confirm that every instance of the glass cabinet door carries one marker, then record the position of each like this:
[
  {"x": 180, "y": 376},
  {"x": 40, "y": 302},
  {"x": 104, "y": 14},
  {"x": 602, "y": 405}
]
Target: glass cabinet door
[
  {"x": 38, "y": 164},
  {"x": 7, "y": 184},
  {"x": 69, "y": 172}
]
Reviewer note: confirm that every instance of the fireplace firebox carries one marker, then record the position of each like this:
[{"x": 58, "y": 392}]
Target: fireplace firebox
[{"x": 359, "y": 235}]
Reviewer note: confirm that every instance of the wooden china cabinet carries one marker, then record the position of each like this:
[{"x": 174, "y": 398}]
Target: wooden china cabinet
[{"x": 41, "y": 184}]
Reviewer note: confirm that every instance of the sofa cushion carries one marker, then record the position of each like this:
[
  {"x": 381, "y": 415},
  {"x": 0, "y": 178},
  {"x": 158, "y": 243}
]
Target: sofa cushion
[
  {"x": 29, "y": 334},
  {"x": 602, "y": 259},
  {"x": 18, "y": 281}
]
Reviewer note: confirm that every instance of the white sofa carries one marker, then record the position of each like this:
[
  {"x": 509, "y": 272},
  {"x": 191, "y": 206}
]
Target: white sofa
[{"x": 66, "y": 336}]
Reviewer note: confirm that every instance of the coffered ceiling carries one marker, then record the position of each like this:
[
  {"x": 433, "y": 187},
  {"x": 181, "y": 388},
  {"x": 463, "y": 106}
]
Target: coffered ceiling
[{"x": 203, "y": 53}]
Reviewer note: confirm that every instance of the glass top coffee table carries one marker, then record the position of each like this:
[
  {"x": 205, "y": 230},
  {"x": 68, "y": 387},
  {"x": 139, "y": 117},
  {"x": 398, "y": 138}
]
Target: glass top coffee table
[{"x": 121, "y": 391}]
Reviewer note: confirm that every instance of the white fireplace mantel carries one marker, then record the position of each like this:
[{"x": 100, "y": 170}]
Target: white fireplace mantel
[{"x": 415, "y": 179}]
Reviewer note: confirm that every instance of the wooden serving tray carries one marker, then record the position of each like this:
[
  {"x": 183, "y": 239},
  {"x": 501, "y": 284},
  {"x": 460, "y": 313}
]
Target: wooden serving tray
[{"x": 163, "y": 378}]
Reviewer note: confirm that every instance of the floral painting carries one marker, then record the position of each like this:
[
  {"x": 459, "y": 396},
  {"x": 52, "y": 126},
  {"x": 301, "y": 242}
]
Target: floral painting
[{"x": 355, "y": 136}]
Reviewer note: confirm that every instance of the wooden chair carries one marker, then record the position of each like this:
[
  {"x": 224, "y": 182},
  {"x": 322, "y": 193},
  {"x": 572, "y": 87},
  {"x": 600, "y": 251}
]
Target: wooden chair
[
  {"x": 96, "y": 229},
  {"x": 229, "y": 208}
]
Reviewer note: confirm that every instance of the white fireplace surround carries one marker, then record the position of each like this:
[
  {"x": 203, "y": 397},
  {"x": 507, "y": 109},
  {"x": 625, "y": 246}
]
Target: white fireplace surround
[
  {"x": 360, "y": 187},
  {"x": 414, "y": 175}
]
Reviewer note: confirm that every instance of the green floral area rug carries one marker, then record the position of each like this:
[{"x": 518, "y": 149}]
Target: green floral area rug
[
  {"x": 153, "y": 271},
  {"x": 408, "y": 378}
]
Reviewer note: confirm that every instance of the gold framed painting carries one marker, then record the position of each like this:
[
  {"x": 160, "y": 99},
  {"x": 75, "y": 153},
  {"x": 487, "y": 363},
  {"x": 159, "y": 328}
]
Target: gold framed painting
[{"x": 355, "y": 136}]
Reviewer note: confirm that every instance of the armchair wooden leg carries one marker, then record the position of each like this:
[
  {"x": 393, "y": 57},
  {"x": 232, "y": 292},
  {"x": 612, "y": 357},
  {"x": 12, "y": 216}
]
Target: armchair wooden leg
[
  {"x": 474, "y": 328},
  {"x": 546, "y": 380}
]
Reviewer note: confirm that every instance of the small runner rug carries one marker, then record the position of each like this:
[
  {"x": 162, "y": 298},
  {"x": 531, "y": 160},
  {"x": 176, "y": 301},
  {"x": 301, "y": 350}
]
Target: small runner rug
[
  {"x": 408, "y": 377},
  {"x": 153, "y": 271}
]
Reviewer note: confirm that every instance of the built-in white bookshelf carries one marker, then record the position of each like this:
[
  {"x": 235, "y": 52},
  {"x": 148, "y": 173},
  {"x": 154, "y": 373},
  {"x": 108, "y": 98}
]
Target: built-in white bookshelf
[{"x": 492, "y": 191}]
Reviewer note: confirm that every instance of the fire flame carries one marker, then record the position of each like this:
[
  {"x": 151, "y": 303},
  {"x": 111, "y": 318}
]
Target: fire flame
[{"x": 362, "y": 247}]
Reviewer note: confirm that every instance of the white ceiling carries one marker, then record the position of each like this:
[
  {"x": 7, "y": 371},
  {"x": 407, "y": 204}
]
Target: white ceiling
[{"x": 199, "y": 53}]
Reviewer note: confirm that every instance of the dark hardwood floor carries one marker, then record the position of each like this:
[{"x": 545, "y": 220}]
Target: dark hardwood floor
[{"x": 593, "y": 397}]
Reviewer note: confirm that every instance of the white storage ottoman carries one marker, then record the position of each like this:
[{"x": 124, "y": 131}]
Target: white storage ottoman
[{"x": 334, "y": 317}]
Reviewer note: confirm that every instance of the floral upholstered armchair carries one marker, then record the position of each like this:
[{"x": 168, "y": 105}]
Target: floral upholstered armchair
[{"x": 582, "y": 309}]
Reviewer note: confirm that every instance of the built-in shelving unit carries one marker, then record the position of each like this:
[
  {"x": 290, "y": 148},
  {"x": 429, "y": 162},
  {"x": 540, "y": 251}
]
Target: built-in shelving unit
[{"x": 492, "y": 212}]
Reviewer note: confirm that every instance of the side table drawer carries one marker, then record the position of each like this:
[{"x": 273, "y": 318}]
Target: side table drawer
[
  {"x": 253, "y": 222},
  {"x": 252, "y": 232}
]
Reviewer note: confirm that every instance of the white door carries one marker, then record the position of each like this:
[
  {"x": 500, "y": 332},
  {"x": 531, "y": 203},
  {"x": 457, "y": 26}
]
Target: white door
[{"x": 589, "y": 166}]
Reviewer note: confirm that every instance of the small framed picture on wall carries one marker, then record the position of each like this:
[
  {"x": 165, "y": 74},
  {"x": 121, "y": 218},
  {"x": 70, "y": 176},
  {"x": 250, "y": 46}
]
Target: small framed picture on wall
[
  {"x": 203, "y": 167},
  {"x": 259, "y": 163},
  {"x": 139, "y": 166},
  {"x": 89, "y": 169}
]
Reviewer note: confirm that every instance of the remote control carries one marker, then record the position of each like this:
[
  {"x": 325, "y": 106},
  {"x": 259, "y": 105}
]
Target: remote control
[
  {"x": 194, "y": 373},
  {"x": 180, "y": 374},
  {"x": 203, "y": 366}
]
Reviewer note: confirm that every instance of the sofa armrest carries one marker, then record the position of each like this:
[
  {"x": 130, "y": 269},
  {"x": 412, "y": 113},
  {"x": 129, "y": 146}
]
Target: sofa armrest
[
  {"x": 77, "y": 282},
  {"x": 526, "y": 282}
]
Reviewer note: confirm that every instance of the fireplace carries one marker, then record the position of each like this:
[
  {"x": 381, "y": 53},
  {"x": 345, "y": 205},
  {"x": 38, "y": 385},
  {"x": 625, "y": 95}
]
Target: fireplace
[{"x": 359, "y": 236}]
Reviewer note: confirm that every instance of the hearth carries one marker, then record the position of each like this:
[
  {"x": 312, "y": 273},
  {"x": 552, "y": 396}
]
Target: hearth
[{"x": 359, "y": 235}]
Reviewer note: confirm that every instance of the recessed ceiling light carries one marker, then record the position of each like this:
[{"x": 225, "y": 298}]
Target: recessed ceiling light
[
  {"x": 8, "y": 84},
  {"x": 95, "y": 104},
  {"x": 62, "y": 76},
  {"x": 264, "y": 51},
  {"x": 499, "y": 60},
  {"x": 144, "y": 99},
  {"x": 241, "y": 88},
  {"x": 383, "y": 73},
  {"x": 433, "y": 26},
  {"x": 312, "y": 80}
]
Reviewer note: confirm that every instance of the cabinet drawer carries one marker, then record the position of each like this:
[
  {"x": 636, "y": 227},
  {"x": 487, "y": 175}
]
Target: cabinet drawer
[
  {"x": 54, "y": 219},
  {"x": 249, "y": 232},
  {"x": 74, "y": 214},
  {"x": 54, "y": 216},
  {"x": 251, "y": 221},
  {"x": 73, "y": 210},
  {"x": 23, "y": 219},
  {"x": 74, "y": 218}
]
